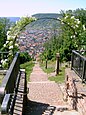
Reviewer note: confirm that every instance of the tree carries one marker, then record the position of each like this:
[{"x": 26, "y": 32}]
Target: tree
[
  {"x": 5, "y": 24},
  {"x": 10, "y": 45},
  {"x": 72, "y": 35},
  {"x": 81, "y": 15},
  {"x": 73, "y": 32},
  {"x": 24, "y": 57}
]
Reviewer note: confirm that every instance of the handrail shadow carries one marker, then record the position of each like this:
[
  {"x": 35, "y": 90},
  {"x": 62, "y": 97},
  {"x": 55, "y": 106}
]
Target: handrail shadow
[{"x": 38, "y": 108}]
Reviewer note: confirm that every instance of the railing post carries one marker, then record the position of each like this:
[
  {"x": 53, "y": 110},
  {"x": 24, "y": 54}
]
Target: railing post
[
  {"x": 46, "y": 64},
  {"x": 72, "y": 58},
  {"x": 57, "y": 63},
  {"x": 84, "y": 69}
]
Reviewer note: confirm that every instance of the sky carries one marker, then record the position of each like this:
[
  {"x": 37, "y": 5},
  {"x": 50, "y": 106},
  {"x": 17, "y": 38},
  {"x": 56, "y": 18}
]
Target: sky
[{"x": 13, "y": 8}]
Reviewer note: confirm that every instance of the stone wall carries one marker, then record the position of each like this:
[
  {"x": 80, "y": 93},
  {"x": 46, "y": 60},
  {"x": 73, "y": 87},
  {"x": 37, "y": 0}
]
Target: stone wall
[{"x": 75, "y": 92}]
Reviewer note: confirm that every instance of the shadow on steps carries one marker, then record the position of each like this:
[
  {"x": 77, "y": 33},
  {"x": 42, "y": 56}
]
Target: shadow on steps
[{"x": 37, "y": 108}]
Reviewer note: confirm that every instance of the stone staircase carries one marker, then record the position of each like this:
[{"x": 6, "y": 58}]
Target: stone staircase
[{"x": 45, "y": 97}]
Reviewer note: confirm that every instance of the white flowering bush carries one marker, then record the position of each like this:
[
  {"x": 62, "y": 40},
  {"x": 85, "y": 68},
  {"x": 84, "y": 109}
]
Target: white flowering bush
[
  {"x": 72, "y": 36},
  {"x": 11, "y": 46},
  {"x": 76, "y": 30},
  {"x": 4, "y": 63}
]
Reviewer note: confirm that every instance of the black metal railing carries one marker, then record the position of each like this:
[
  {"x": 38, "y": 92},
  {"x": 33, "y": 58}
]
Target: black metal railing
[
  {"x": 9, "y": 86},
  {"x": 79, "y": 64}
]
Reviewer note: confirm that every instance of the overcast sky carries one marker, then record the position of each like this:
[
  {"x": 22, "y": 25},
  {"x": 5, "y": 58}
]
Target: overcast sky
[{"x": 29, "y": 7}]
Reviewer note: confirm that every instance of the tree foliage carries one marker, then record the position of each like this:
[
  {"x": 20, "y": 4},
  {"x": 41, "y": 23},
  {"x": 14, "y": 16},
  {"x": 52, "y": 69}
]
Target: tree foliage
[
  {"x": 71, "y": 37},
  {"x": 24, "y": 57},
  {"x": 10, "y": 45},
  {"x": 5, "y": 24}
]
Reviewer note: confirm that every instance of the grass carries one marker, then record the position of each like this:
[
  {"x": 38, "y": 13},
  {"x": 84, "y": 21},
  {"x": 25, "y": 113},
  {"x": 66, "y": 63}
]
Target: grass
[
  {"x": 60, "y": 77},
  {"x": 28, "y": 66},
  {"x": 1, "y": 78},
  {"x": 51, "y": 68}
]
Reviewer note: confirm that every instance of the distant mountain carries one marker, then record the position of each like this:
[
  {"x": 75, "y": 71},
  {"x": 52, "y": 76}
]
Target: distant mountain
[
  {"x": 45, "y": 21},
  {"x": 47, "y": 15},
  {"x": 41, "y": 23},
  {"x": 13, "y": 19}
]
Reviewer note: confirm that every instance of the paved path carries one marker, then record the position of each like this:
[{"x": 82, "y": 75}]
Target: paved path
[{"x": 45, "y": 97}]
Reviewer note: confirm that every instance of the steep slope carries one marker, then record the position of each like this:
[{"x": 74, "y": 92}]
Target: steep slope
[
  {"x": 45, "y": 21},
  {"x": 38, "y": 32}
]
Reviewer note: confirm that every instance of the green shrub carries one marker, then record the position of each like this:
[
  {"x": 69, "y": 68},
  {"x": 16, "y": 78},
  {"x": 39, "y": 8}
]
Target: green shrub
[
  {"x": 24, "y": 57},
  {"x": 28, "y": 66}
]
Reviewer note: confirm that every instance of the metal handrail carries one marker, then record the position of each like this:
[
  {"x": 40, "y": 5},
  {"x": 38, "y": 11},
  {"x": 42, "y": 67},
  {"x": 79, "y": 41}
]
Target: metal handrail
[
  {"x": 79, "y": 64},
  {"x": 10, "y": 84}
]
